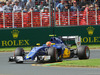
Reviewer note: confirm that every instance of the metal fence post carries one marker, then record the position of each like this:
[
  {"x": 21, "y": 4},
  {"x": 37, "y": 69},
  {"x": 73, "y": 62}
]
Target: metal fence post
[
  {"x": 59, "y": 18},
  {"x": 96, "y": 16},
  {"x": 22, "y": 20},
  {"x": 54, "y": 13},
  {"x": 50, "y": 13},
  {"x": 3, "y": 19},
  {"x": 13, "y": 19},
  {"x": 31, "y": 19},
  {"x": 77, "y": 17},
  {"x": 68, "y": 17},
  {"x": 41, "y": 18},
  {"x": 87, "y": 16},
  {"x": 49, "y": 19},
  {"x": 54, "y": 16}
]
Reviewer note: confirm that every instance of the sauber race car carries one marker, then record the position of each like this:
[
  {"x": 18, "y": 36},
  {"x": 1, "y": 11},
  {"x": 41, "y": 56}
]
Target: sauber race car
[{"x": 54, "y": 50}]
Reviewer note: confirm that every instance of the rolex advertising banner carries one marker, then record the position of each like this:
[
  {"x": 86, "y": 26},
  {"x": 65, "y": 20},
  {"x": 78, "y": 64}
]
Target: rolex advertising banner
[
  {"x": 30, "y": 36},
  {"x": 24, "y": 36},
  {"x": 89, "y": 34}
]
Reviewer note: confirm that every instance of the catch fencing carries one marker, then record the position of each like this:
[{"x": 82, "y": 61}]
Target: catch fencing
[{"x": 41, "y": 19}]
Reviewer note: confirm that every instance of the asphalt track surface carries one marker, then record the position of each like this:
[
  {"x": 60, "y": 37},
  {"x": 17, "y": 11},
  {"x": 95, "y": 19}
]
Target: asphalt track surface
[{"x": 26, "y": 68}]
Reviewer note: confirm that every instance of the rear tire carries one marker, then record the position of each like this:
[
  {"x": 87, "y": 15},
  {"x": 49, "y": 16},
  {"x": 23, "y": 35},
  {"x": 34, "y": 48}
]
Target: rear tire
[
  {"x": 19, "y": 52},
  {"x": 83, "y": 52}
]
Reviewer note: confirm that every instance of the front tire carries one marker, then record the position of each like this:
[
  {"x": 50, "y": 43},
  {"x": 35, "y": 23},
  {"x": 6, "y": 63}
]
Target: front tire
[
  {"x": 83, "y": 52},
  {"x": 19, "y": 52},
  {"x": 52, "y": 51}
]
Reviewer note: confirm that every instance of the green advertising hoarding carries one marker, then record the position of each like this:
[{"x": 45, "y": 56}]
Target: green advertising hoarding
[
  {"x": 24, "y": 36},
  {"x": 89, "y": 34},
  {"x": 30, "y": 36}
]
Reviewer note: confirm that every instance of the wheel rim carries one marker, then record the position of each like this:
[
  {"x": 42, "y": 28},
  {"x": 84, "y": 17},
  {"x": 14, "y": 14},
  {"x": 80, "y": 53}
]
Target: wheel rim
[{"x": 87, "y": 52}]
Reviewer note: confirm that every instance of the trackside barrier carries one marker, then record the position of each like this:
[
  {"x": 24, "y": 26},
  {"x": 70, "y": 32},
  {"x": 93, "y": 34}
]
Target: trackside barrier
[
  {"x": 41, "y": 19},
  {"x": 20, "y": 37}
]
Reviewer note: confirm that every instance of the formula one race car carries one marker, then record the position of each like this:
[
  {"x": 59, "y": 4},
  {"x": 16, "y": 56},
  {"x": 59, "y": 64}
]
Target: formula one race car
[{"x": 53, "y": 51}]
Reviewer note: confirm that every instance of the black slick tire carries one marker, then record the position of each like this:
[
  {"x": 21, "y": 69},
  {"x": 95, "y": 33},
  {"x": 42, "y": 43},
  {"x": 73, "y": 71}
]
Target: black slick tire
[
  {"x": 83, "y": 52},
  {"x": 52, "y": 51},
  {"x": 19, "y": 52}
]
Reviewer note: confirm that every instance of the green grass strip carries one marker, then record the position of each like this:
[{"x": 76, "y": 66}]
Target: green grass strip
[
  {"x": 13, "y": 49},
  {"x": 78, "y": 63},
  {"x": 29, "y": 48},
  {"x": 96, "y": 46}
]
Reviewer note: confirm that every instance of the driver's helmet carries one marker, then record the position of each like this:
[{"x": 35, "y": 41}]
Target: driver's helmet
[{"x": 48, "y": 43}]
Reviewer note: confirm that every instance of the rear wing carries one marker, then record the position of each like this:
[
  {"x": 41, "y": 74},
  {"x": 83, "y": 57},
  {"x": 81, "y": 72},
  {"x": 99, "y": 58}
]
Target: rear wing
[{"x": 77, "y": 39}]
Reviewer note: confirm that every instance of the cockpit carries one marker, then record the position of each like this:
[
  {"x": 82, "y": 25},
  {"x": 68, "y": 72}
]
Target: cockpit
[{"x": 55, "y": 40}]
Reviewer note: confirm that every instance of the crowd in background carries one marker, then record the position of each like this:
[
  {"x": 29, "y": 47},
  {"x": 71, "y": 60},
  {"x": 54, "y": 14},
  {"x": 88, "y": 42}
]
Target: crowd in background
[
  {"x": 43, "y": 5},
  {"x": 37, "y": 19}
]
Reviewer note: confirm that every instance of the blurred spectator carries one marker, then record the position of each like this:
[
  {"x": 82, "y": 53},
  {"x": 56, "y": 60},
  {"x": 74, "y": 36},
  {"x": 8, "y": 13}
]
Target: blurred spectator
[
  {"x": 86, "y": 11},
  {"x": 21, "y": 3},
  {"x": 16, "y": 7},
  {"x": 25, "y": 1},
  {"x": 70, "y": 3},
  {"x": 91, "y": 7},
  {"x": 91, "y": 15},
  {"x": 46, "y": 3},
  {"x": 86, "y": 7},
  {"x": 36, "y": 9},
  {"x": 41, "y": 5},
  {"x": 1, "y": 8},
  {"x": 31, "y": 10},
  {"x": 12, "y": 5},
  {"x": 74, "y": 7},
  {"x": 32, "y": 0},
  {"x": 96, "y": 7},
  {"x": 82, "y": 5},
  {"x": 57, "y": 2},
  {"x": 42, "y": 10},
  {"x": 45, "y": 17},
  {"x": 10, "y": 1},
  {"x": 25, "y": 9},
  {"x": 7, "y": 8},
  {"x": 66, "y": 8},
  {"x": 30, "y": 4},
  {"x": 96, "y": 2},
  {"x": 46, "y": 9},
  {"x": 60, "y": 6}
]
